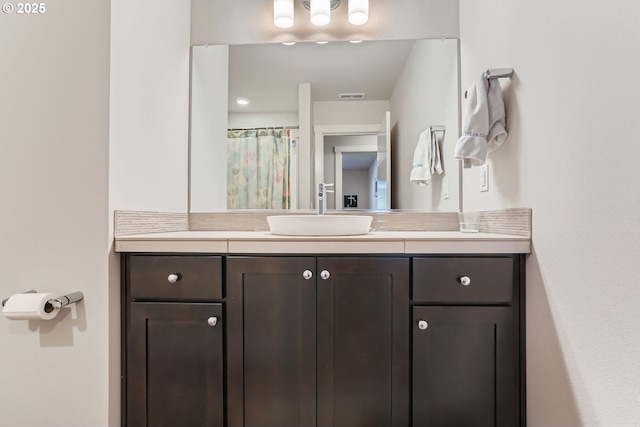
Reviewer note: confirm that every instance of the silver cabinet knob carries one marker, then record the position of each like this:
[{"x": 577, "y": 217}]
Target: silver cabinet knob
[
  {"x": 422, "y": 324},
  {"x": 212, "y": 321},
  {"x": 464, "y": 280},
  {"x": 173, "y": 278},
  {"x": 307, "y": 274},
  {"x": 325, "y": 274}
]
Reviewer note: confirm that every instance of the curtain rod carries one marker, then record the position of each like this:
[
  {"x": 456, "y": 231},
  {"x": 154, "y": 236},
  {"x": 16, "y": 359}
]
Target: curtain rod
[{"x": 266, "y": 127}]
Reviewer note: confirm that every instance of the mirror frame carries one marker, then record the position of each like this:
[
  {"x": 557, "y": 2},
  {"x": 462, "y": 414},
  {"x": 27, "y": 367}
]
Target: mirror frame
[{"x": 351, "y": 130}]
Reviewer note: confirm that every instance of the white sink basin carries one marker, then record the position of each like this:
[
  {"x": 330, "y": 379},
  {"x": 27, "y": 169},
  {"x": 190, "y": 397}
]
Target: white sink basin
[{"x": 319, "y": 225}]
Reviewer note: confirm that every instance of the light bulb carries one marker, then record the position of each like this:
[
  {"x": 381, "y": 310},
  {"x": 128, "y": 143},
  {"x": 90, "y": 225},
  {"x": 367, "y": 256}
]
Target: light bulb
[
  {"x": 358, "y": 11},
  {"x": 320, "y": 12},
  {"x": 283, "y": 13}
]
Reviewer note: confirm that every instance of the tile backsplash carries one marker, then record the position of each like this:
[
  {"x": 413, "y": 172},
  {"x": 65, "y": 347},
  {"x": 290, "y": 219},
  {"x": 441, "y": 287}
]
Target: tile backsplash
[
  {"x": 382, "y": 221},
  {"x": 515, "y": 221},
  {"x": 140, "y": 222}
]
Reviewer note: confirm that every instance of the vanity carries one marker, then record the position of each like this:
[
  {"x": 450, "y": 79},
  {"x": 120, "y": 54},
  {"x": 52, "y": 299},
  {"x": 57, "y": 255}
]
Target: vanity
[
  {"x": 392, "y": 328},
  {"x": 224, "y": 327}
]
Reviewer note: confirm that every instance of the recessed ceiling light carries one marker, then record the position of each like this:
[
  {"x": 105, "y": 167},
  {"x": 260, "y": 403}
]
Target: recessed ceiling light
[{"x": 242, "y": 101}]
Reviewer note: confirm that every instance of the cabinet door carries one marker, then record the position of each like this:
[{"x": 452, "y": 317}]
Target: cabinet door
[
  {"x": 174, "y": 370},
  {"x": 271, "y": 322},
  {"x": 363, "y": 342},
  {"x": 464, "y": 367}
]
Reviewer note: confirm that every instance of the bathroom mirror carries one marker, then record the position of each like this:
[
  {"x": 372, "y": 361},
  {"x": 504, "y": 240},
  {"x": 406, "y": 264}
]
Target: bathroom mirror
[{"x": 330, "y": 102}]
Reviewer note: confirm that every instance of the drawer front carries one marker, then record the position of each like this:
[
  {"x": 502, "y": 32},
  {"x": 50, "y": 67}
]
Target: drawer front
[
  {"x": 175, "y": 277},
  {"x": 463, "y": 280}
]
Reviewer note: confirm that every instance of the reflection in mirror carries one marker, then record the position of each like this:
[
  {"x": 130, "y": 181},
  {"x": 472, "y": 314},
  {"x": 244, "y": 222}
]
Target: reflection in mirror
[
  {"x": 308, "y": 106},
  {"x": 350, "y": 161},
  {"x": 258, "y": 169}
]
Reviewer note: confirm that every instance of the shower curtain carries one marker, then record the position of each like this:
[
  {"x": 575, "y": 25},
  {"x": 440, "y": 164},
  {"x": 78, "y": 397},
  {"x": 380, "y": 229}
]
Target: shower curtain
[{"x": 258, "y": 163}]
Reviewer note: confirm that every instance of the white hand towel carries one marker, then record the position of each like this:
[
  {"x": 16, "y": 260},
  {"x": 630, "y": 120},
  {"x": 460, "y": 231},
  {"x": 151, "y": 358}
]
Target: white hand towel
[
  {"x": 483, "y": 129},
  {"x": 436, "y": 163},
  {"x": 426, "y": 159}
]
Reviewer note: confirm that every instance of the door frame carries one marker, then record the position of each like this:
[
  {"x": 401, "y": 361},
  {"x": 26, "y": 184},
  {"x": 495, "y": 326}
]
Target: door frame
[
  {"x": 321, "y": 131},
  {"x": 338, "y": 150}
]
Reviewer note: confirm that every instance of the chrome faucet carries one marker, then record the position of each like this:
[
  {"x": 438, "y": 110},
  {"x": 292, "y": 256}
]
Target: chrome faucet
[{"x": 321, "y": 203}]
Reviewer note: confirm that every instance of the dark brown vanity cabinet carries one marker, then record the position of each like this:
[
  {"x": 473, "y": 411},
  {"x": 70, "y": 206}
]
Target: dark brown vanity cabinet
[
  {"x": 467, "y": 357},
  {"x": 173, "y": 365},
  {"x": 318, "y": 341},
  {"x": 326, "y": 341}
]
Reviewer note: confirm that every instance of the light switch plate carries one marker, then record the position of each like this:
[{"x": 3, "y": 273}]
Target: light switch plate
[{"x": 484, "y": 177}]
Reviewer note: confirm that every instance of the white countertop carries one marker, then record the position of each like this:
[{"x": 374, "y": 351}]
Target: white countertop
[{"x": 263, "y": 242}]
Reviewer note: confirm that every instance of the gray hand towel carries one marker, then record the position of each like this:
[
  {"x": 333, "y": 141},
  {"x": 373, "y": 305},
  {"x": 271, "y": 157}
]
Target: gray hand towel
[
  {"x": 483, "y": 129},
  {"x": 497, "y": 117}
]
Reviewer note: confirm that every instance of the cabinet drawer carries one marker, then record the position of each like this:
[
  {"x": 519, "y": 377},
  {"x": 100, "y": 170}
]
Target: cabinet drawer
[
  {"x": 490, "y": 280},
  {"x": 175, "y": 277}
]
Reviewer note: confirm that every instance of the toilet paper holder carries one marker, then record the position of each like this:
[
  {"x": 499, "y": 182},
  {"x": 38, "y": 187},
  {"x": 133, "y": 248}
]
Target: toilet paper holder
[{"x": 58, "y": 302}]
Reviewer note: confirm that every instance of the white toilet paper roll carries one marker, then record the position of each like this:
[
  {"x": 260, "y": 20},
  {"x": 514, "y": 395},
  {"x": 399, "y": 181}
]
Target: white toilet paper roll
[{"x": 30, "y": 306}]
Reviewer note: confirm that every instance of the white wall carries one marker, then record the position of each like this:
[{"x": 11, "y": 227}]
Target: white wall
[
  {"x": 54, "y": 221},
  {"x": 426, "y": 94},
  {"x": 208, "y": 132},
  {"x": 571, "y": 156},
  {"x": 349, "y": 112},
  {"x": 256, "y": 120},
  {"x": 148, "y": 148}
]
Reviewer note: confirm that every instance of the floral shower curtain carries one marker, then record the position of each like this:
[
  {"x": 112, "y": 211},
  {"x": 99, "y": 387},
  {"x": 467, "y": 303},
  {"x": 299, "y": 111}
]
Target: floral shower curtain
[{"x": 258, "y": 169}]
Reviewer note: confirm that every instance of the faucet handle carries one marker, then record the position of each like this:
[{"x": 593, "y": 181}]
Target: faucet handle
[{"x": 322, "y": 188}]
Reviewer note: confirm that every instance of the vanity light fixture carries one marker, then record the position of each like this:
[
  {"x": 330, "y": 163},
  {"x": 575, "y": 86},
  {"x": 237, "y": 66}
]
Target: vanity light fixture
[{"x": 320, "y": 11}]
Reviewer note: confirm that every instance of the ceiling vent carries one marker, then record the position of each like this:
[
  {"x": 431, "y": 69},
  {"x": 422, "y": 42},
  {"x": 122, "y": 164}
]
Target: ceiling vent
[{"x": 348, "y": 96}]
